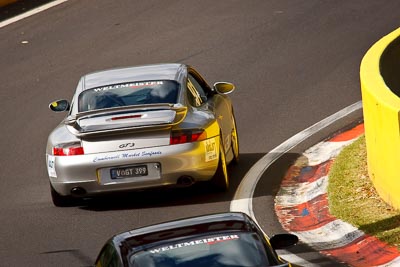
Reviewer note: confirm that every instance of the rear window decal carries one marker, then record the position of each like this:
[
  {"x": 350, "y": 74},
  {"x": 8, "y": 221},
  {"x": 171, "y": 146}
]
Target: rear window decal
[
  {"x": 125, "y": 85},
  {"x": 207, "y": 241}
]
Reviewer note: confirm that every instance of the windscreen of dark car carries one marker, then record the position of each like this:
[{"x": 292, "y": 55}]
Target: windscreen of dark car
[
  {"x": 234, "y": 249},
  {"x": 128, "y": 94}
]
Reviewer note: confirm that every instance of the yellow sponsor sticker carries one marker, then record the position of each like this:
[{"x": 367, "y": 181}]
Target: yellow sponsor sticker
[{"x": 211, "y": 149}]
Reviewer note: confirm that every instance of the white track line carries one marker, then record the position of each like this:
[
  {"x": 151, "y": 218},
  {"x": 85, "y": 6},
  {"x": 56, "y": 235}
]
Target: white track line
[{"x": 31, "y": 12}]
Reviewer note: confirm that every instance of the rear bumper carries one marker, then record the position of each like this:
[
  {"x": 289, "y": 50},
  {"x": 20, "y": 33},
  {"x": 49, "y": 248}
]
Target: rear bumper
[{"x": 166, "y": 165}]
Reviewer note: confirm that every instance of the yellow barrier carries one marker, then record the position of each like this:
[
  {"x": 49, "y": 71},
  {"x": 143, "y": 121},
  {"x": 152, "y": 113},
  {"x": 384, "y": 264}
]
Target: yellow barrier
[{"x": 380, "y": 79}]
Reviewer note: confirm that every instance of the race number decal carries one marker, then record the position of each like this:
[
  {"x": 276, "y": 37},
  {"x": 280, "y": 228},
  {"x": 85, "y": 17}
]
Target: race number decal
[
  {"x": 51, "y": 168},
  {"x": 211, "y": 149}
]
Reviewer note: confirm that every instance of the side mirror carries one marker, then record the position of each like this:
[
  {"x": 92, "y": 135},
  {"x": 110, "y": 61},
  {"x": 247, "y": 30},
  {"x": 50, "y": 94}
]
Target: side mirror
[
  {"x": 281, "y": 241},
  {"x": 224, "y": 87},
  {"x": 59, "y": 105}
]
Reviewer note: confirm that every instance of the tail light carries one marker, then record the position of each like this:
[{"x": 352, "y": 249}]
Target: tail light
[
  {"x": 68, "y": 150},
  {"x": 187, "y": 136}
]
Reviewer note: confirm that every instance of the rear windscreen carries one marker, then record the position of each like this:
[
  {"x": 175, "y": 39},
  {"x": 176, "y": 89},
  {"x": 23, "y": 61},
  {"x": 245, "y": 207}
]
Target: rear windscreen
[{"x": 129, "y": 94}]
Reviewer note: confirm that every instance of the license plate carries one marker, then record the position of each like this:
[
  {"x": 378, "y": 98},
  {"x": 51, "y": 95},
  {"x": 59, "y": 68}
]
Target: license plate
[{"x": 128, "y": 172}]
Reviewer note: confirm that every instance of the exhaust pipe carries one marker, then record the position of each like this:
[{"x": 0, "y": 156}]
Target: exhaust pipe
[
  {"x": 78, "y": 191},
  {"x": 185, "y": 181}
]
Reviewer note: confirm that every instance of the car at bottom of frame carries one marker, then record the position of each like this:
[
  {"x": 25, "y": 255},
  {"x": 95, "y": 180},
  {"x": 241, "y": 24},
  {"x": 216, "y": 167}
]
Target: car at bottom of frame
[
  {"x": 230, "y": 239},
  {"x": 141, "y": 127}
]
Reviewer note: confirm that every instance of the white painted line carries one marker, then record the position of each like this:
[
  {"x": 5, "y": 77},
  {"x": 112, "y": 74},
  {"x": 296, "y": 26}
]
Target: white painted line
[
  {"x": 31, "y": 12},
  {"x": 242, "y": 200},
  {"x": 335, "y": 234},
  {"x": 286, "y": 255},
  {"x": 302, "y": 192},
  {"x": 324, "y": 151}
]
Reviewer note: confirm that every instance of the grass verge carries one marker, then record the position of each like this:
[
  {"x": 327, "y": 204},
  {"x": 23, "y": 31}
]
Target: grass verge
[{"x": 353, "y": 198}]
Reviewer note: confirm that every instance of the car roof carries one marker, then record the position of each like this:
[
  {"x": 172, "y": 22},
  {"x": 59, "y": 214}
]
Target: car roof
[
  {"x": 229, "y": 221},
  {"x": 168, "y": 71}
]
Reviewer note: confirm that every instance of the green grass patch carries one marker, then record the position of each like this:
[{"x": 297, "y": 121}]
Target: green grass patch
[{"x": 353, "y": 198}]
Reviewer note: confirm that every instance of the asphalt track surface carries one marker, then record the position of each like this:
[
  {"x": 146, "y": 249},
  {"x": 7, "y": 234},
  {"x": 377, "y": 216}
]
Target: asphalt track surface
[{"x": 294, "y": 63}]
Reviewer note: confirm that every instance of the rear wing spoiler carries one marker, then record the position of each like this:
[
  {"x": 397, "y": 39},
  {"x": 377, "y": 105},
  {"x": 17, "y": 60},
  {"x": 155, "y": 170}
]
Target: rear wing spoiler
[{"x": 125, "y": 119}]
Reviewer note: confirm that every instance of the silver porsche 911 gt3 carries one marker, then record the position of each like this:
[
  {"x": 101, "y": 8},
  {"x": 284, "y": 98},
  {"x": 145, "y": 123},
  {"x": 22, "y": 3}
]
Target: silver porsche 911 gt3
[{"x": 141, "y": 127}]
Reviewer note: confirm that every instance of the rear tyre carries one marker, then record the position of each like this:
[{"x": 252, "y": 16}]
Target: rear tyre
[
  {"x": 59, "y": 200},
  {"x": 220, "y": 179}
]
